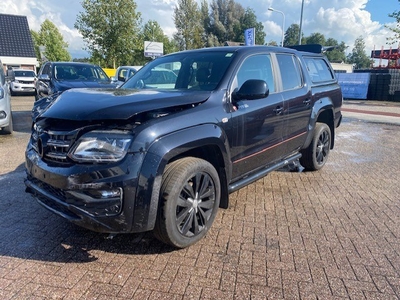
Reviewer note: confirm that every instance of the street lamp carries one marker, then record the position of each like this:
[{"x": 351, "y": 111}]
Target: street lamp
[
  {"x": 301, "y": 20},
  {"x": 283, "y": 22}
]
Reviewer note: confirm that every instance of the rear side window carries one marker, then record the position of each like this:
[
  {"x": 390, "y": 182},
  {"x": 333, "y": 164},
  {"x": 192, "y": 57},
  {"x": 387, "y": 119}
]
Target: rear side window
[
  {"x": 290, "y": 71},
  {"x": 318, "y": 69}
]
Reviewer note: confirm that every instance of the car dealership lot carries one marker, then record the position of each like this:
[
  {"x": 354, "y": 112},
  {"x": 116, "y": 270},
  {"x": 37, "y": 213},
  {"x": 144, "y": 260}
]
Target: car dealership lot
[{"x": 332, "y": 234}]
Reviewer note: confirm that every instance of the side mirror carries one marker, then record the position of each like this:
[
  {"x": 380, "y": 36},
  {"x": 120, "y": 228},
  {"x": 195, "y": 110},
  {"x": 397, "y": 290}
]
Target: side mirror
[
  {"x": 44, "y": 77},
  {"x": 252, "y": 89}
]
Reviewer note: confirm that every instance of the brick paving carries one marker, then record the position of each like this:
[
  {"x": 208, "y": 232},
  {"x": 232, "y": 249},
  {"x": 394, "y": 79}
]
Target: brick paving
[{"x": 332, "y": 234}]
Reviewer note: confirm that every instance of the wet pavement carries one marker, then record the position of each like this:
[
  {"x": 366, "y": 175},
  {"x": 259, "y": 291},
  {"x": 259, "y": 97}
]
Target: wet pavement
[{"x": 332, "y": 234}]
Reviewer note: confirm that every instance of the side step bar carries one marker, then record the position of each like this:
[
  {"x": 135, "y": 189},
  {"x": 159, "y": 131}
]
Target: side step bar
[{"x": 261, "y": 173}]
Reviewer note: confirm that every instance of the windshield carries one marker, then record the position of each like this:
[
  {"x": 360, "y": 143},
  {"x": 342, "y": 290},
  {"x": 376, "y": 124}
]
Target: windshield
[
  {"x": 183, "y": 71},
  {"x": 80, "y": 73},
  {"x": 24, "y": 73}
]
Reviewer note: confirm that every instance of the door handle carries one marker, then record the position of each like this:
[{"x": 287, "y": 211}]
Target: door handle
[
  {"x": 307, "y": 102},
  {"x": 278, "y": 110}
]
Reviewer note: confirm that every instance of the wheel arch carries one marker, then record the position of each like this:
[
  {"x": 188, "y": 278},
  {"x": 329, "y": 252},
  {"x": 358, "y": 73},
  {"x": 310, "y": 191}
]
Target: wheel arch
[
  {"x": 207, "y": 141},
  {"x": 323, "y": 112}
]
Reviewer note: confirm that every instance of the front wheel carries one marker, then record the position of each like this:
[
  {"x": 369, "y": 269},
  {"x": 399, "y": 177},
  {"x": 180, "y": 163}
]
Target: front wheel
[
  {"x": 189, "y": 200},
  {"x": 316, "y": 154}
]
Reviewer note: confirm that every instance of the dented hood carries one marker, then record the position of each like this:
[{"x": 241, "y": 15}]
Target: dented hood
[{"x": 107, "y": 104}]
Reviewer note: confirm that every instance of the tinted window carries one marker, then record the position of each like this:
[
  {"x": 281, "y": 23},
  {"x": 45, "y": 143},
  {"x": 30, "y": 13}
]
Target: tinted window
[
  {"x": 290, "y": 71},
  {"x": 318, "y": 69},
  {"x": 256, "y": 67},
  {"x": 183, "y": 71}
]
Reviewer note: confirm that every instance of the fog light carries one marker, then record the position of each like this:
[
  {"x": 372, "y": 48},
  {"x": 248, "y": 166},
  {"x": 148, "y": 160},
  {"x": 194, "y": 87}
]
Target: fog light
[
  {"x": 3, "y": 114},
  {"x": 97, "y": 202}
]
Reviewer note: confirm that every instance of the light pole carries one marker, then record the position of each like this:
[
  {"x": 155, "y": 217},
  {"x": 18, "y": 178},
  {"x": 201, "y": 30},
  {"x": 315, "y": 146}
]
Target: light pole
[
  {"x": 283, "y": 22},
  {"x": 301, "y": 20}
]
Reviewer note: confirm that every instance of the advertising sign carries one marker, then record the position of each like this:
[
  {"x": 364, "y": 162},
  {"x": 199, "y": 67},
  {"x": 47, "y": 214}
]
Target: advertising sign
[{"x": 153, "y": 49}]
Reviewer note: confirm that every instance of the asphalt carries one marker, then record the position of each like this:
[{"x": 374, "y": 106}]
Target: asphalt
[{"x": 372, "y": 111}]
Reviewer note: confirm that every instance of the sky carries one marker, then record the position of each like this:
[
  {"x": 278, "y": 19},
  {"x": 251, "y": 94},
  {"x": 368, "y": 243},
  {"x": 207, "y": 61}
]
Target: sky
[{"x": 343, "y": 20}]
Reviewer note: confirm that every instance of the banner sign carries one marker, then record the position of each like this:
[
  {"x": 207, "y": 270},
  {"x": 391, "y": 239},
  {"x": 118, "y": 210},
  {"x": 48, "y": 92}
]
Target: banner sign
[{"x": 250, "y": 37}]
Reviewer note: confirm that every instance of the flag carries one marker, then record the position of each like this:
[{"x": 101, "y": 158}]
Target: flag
[{"x": 250, "y": 37}]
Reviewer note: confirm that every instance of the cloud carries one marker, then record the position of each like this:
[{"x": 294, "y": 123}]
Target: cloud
[{"x": 343, "y": 20}]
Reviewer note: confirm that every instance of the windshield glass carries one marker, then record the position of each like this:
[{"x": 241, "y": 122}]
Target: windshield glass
[
  {"x": 80, "y": 73},
  {"x": 24, "y": 73},
  {"x": 183, "y": 71}
]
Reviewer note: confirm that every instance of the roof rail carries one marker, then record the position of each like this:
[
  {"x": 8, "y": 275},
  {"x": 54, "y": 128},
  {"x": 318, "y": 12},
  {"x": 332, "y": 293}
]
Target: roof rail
[{"x": 314, "y": 48}]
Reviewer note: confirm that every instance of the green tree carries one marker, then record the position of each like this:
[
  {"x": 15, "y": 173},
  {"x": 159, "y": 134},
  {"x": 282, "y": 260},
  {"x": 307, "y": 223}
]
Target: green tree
[
  {"x": 338, "y": 54},
  {"x": 316, "y": 38},
  {"x": 110, "y": 30},
  {"x": 225, "y": 21},
  {"x": 55, "y": 48},
  {"x": 396, "y": 30},
  {"x": 187, "y": 18},
  {"x": 292, "y": 35},
  {"x": 249, "y": 20},
  {"x": 151, "y": 31},
  {"x": 358, "y": 57}
]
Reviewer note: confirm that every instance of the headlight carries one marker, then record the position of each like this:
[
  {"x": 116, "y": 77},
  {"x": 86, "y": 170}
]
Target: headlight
[{"x": 101, "y": 146}]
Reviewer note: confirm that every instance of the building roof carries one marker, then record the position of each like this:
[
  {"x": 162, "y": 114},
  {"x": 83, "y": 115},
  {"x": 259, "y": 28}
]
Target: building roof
[{"x": 15, "y": 37}]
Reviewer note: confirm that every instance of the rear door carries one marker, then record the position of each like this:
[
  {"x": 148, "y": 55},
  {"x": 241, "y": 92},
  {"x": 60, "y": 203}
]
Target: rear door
[{"x": 297, "y": 98}]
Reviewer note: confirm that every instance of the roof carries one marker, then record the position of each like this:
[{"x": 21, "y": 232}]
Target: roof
[{"x": 15, "y": 37}]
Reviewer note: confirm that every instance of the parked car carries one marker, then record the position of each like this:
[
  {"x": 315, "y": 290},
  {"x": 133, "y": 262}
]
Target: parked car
[
  {"x": 163, "y": 153},
  {"x": 56, "y": 77},
  {"x": 6, "y": 124},
  {"x": 23, "y": 82},
  {"x": 123, "y": 73}
]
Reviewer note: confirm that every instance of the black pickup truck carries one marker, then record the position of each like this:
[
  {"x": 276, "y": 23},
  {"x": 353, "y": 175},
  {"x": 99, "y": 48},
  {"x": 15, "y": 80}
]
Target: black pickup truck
[{"x": 164, "y": 151}]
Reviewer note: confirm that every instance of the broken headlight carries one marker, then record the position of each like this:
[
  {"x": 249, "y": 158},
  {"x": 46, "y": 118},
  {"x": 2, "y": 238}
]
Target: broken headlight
[{"x": 101, "y": 146}]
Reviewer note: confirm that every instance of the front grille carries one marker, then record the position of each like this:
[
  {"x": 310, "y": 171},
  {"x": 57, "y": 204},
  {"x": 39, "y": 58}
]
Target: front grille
[
  {"x": 53, "y": 146},
  {"x": 26, "y": 82}
]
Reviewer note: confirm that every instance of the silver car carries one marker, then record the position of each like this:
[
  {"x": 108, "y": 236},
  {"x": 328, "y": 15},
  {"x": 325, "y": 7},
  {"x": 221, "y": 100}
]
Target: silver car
[
  {"x": 23, "y": 83},
  {"x": 6, "y": 124}
]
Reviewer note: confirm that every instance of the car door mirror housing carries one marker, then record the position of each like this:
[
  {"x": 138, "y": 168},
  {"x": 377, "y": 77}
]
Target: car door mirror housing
[{"x": 252, "y": 89}]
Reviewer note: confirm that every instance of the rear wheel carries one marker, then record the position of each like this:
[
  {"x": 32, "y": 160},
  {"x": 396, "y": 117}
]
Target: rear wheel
[
  {"x": 189, "y": 201},
  {"x": 316, "y": 154}
]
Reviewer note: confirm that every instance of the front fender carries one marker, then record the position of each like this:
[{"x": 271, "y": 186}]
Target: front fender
[{"x": 159, "y": 154}]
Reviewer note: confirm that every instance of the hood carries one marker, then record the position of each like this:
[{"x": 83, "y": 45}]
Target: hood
[{"x": 112, "y": 104}]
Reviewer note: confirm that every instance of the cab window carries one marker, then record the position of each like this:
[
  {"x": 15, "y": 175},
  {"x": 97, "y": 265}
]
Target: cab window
[
  {"x": 256, "y": 67},
  {"x": 290, "y": 71}
]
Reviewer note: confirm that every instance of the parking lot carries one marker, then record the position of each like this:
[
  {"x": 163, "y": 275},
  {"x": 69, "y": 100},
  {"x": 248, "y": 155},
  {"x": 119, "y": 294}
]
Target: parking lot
[{"x": 332, "y": 234}]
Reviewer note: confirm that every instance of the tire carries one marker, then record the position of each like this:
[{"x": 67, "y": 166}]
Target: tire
[
  {"x": 9, "y": 128},
  {"x": 189, "y": 200},
  {"x": 316, "y": 154}
]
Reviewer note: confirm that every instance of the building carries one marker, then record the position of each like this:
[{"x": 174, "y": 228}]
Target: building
[{"x": 16, "y": 45}]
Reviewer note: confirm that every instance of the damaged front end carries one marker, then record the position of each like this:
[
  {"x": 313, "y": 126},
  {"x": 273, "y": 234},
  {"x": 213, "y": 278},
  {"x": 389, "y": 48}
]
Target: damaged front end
[{"x": 86, "y": 167}]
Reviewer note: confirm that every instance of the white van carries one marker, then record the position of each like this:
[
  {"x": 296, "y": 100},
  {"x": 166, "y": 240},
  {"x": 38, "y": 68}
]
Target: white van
[{"x": 6, "y": 124}]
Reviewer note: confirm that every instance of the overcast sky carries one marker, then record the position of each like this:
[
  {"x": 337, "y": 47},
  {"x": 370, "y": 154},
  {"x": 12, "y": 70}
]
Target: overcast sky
[{"x": 343, "y": 20}]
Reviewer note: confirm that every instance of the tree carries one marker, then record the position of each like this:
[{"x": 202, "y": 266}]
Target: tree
[
  {"x": 151, "y": 31},
  {"x": 110, "y": 30},
  {"x": 292, "y": 35},
  {"x": 338, "y": 54},
  {"x": 187, "y": 18},
  {"x": 316, "y": 38},
  {"x": 396, "y": 29},
  {"x": 55, "y": 48},
  {"x": 249, "y": 20},
  {"x": 225, "y": 19},
  {"x": 358, "y": 57}
]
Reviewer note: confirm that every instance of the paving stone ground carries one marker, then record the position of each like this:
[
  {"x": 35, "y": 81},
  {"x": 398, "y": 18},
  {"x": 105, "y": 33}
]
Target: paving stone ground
[{"x": 332, "y": 234}]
